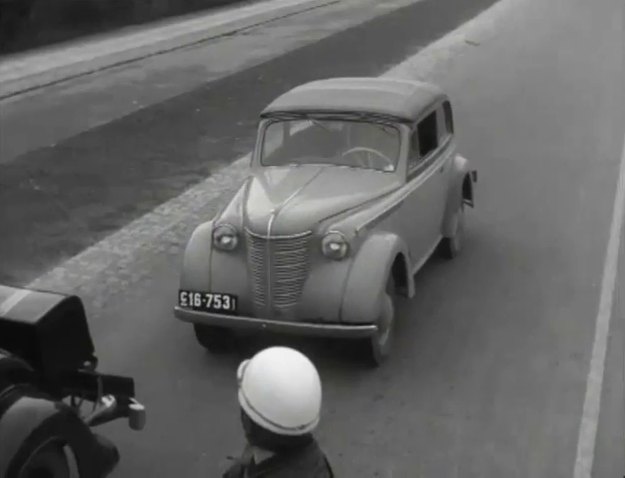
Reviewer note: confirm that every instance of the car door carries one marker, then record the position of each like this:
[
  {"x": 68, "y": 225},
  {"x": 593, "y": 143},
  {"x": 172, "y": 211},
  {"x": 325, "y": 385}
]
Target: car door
[{"x": 428, "y": 171}]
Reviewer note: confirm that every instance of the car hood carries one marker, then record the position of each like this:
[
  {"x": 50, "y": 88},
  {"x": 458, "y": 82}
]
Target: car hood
[{"x": 302, "y": 196}]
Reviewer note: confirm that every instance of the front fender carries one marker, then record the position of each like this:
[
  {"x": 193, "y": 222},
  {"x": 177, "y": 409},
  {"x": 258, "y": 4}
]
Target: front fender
[
  {"x": 460, "y": 190},
  {"x": 195, "y": 273},
  {"x": 208, "y": 269},
  {"x": 369, "y": 274}
]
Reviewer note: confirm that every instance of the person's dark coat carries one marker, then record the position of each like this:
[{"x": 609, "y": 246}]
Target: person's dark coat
[
  {"x": 294, "y": 456},
  {"x": 305, "y": 462}
]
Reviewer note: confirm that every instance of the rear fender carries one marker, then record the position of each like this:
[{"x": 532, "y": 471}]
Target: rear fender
[
  {"x": 369, "y": 273},
  {"x": 461, "y": 190}
]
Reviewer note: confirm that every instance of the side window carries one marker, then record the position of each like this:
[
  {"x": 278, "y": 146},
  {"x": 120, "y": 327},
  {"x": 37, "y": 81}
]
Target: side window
[
  {"x": 449, "y": 117},
  {"x": 427, "y": 130},
  {"x": 443, "y": 128}
]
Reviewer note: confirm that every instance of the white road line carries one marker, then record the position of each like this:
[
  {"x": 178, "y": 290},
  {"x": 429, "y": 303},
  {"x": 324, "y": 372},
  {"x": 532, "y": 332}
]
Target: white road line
[{"x": 594, "y": 385}]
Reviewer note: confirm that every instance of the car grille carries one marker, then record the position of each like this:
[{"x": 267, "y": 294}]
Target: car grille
[{"x": 278, "y": 269}]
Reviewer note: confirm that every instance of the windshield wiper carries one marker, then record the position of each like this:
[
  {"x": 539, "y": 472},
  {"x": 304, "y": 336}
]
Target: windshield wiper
[
  {"x": 321, "y": 125},
  {"x": 383, "y": 128}
]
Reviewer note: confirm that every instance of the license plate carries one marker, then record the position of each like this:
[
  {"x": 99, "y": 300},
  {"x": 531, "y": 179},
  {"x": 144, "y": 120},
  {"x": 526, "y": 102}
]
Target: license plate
[{"x": 208, "y": 301}]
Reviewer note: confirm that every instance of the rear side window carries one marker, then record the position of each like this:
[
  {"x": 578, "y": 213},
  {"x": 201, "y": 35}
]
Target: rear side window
[
  {"x": 427, "y": 131},
  {"x": 449, "y": 117}
]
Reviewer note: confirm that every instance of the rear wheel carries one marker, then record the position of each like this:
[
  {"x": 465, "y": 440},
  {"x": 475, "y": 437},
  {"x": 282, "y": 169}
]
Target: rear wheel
[
  {"x": 452, "y": 246},
  {"x": 378, "y": 346},
  {"x": 214, "y": 339}
]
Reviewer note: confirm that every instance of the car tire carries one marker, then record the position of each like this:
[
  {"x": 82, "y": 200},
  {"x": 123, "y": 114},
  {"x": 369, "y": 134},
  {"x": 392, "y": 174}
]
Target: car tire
[
  {"x": 50, "y": 461},
  {"x": 214, "y": 339},
  {"x": 452, "y": 246},
  {"x": 379, "y": 346}
]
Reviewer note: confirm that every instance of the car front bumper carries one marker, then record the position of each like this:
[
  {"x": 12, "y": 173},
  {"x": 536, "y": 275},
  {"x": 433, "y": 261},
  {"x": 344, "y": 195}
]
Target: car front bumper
[{"x": 333, "y": 330}]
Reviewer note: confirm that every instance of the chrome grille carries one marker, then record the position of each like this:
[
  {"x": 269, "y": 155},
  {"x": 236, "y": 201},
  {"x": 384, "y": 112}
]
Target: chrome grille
[{"x": 278, "y": 269}]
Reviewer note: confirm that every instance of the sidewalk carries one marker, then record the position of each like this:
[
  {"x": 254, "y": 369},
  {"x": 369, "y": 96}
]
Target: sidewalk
[{"x": 27, "y": 71}]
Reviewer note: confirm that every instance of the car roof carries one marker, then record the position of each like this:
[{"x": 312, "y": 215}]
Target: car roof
[{"x": 402, "y": 99}]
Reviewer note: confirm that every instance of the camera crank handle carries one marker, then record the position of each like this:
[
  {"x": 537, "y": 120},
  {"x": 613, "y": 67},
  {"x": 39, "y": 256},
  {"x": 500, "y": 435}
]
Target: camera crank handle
[{"x": 106, "y": 413}]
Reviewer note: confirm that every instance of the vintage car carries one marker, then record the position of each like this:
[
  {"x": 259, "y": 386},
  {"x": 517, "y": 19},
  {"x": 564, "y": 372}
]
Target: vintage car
[{"x": 354, "y": 183}]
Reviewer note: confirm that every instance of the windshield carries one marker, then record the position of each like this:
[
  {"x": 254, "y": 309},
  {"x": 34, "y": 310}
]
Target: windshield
[{"x": 339, "y": 142}]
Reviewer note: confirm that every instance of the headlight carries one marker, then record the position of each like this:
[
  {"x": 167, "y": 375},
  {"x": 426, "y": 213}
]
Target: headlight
[
  {"x": 225, "y": 237},
  {"x": 334, "y": 245}
]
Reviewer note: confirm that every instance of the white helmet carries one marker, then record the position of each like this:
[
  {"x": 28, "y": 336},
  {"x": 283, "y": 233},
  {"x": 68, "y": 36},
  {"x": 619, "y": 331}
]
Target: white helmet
[{"x": 280, "y": 390}]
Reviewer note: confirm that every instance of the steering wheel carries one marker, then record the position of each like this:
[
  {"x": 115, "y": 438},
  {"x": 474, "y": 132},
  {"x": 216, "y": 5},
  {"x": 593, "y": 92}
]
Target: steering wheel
[{"x": 369, "y": 151}]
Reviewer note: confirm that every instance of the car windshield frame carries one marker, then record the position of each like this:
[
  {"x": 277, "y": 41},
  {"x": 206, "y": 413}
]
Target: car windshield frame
[{"x": 369, "y": 119}]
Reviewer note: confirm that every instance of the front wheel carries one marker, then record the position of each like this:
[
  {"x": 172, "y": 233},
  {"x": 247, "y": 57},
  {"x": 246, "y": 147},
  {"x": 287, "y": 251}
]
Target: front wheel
[
  {"x": 378, "y": 346},
  {"x": 214, "y": 339}
]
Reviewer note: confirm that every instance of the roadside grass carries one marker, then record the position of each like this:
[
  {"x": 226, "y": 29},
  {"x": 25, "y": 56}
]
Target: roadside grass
[{"x": 28, "y": 24}]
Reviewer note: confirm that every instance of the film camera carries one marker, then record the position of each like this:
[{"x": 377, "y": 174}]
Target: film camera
[{"x": 47, "y": 372}]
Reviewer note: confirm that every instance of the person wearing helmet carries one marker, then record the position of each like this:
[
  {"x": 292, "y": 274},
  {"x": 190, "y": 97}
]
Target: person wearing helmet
[{"x": 280, "y": 402}]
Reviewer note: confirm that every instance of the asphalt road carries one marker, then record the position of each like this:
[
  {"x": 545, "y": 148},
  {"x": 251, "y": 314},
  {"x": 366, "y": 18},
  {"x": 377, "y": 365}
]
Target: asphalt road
[
  {"x": 489, "y": 372},
  {"x": 105, "y": 177}
]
